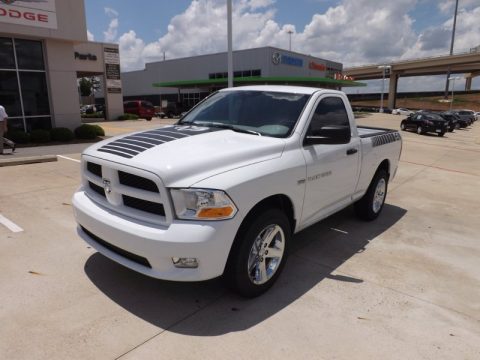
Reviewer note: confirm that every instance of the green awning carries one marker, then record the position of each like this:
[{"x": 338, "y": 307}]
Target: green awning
[{"x": 258, "y": 80}]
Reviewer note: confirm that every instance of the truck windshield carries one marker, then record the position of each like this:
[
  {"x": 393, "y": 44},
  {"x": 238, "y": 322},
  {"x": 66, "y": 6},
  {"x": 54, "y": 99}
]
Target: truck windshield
[{"x": 262, "y": 112}]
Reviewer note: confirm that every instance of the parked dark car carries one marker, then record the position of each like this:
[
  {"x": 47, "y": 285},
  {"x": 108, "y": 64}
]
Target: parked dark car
[
  {"x": 467, "y": 115},
  {"x": 425, "y": 122},
  {"x": 143, "y": 109},
  {"x": 453, "y": 120},
  {"x": 462, "y": 122}
]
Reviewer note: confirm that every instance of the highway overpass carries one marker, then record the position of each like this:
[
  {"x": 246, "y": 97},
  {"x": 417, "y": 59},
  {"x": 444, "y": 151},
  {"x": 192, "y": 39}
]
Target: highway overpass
[{"x": 466, "y": 63}]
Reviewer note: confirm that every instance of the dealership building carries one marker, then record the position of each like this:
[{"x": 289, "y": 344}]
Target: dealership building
[
  {"x": 187, "y": 80},
  {"x": 43, "y": 51}
]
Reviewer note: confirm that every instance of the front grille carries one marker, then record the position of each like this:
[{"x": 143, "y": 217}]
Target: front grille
[
  {"x": 143, "y": 205},
  {"x": 126, "y": 254},
  {"x": 95, "y": 169},
  {"x": 137, "y": 182},
  {"x": 98, "y": 189}
]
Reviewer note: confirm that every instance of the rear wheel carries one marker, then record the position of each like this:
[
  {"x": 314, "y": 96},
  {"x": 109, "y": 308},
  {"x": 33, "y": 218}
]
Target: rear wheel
[
  {"x": 259, "y": 253},
  {"x": 148, "y": 118},
  {"x": 441, "y": 134},
  {"x": 371, "y": 204},
  {"x": 419, "y": 130}
]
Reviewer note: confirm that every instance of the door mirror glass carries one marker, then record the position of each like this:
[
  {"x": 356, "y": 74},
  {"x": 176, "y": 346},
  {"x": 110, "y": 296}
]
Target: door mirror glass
[{"x": 333, "y": 134}]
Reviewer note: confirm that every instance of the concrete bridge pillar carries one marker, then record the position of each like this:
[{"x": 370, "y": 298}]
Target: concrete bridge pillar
[
  {"x": 392, "y": 89},
  {"x": 468, "y": 83}
]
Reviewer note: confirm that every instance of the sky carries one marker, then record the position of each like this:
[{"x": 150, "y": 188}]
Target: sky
[{"x": 353, "y": 32}]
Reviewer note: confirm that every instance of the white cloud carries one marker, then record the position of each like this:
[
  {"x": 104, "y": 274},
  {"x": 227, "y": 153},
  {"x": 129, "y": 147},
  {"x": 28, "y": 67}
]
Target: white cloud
[
  {"x": 90, "y": 36},
  {"x": 110, "y": 34}
]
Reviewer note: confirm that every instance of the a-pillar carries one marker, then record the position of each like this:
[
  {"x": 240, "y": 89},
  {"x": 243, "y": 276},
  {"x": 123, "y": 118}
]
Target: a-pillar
[{"x": 392, "y": 89}]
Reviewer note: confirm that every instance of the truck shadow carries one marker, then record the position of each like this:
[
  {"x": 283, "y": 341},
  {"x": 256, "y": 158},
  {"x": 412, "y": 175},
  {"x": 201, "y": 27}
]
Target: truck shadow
[{"x": 209, "y": 309}]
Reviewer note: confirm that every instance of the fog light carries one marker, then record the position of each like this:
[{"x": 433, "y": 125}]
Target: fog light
[{"x": 190, "y": 263}]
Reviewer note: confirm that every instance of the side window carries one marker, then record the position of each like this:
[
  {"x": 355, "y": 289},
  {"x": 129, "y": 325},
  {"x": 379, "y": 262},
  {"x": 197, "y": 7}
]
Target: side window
[{"x": 330, "y": 112}]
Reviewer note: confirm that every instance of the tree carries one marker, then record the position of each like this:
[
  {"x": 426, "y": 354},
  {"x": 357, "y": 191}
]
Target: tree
[{"x": 89, "y": 86}]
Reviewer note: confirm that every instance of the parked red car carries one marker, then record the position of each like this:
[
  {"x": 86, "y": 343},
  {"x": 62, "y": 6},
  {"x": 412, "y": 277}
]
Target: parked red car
[{"x": 143, "y": 109}]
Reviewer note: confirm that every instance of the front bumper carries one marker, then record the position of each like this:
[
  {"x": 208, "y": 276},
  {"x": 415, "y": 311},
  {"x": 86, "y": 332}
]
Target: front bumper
[{"x": 208, "y": 241}]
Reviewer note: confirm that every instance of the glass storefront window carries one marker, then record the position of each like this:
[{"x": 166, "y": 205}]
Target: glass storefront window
[
  {"x": 34, "y": 93},
  {"x": 23, "y": 82},
  {"x": 7, "y": 59},
  {"x": 9, "y": 95},
  {"x": 15, "y": 124},
  {"x": 44, "y": 123},
  {"x": 29, "y": 54}
]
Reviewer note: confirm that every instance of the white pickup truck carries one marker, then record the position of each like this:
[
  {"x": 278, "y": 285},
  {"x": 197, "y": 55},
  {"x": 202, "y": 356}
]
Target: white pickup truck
[{"x": 223, "y": 191}]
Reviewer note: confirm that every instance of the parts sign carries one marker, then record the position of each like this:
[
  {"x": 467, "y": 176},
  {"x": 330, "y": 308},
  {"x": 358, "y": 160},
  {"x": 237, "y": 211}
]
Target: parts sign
[{"x": 37, "y": 13}]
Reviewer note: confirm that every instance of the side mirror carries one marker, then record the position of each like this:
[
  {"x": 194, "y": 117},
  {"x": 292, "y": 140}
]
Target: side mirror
[{"x": 329, "y": 135}]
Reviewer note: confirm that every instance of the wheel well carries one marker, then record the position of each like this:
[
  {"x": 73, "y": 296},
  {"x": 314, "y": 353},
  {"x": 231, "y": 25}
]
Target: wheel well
[
  {"x": 385, "y": 165},
  {"x": 279, "y": 201}
]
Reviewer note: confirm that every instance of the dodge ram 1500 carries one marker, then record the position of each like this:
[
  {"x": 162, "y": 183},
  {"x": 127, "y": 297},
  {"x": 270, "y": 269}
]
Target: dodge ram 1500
[{"x": 224, "y": 190}]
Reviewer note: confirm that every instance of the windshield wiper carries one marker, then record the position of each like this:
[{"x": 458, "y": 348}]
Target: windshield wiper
[{"x": 223, "y": 126}]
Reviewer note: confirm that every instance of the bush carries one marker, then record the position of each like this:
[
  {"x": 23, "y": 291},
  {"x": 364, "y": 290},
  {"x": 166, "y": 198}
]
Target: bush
[
  {"x": 99, "y": 130},
  {"x": 128, "y": 117},
  {"x": 18, "y": 136},
  {"x": 86, "y": 132},
  {"x": 61, "y": 134},
  {"x": 40, "y": 136}
]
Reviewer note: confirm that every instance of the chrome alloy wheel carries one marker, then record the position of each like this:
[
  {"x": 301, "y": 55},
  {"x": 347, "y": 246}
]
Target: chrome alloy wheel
[
  {"x": 266, "y": 254},
  {"x": 379, "y": 196}
]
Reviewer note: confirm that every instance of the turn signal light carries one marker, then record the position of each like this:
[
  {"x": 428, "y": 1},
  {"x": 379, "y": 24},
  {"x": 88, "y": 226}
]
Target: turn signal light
[{"x": 222, "y": 212}]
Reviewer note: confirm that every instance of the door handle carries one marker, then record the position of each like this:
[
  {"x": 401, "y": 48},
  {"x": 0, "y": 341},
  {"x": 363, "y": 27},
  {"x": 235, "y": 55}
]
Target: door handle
[{"x": 352, "y": 151}]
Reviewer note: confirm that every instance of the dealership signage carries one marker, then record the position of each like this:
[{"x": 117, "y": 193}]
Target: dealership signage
[
  {"x": 79, "y": 56},
  {"x": 283, "y": 59},
  {"x": 112, "y": 70},
  {"x": 37, "y": 13},
  {"x": 312, "y": 65}
]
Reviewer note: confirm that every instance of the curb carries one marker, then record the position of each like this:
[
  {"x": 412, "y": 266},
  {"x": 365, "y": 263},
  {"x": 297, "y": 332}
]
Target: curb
[{"x": 28, "y": 160}]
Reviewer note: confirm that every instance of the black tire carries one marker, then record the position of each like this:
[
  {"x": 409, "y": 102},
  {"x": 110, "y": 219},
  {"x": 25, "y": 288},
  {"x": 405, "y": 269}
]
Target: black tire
[
  {"x": 365, "y": 208},
  {"x": 403, "y": 127},
  {"x": 148, "y": 119},
  {"x": 419, "y": 130},
  {"x": 238, "y": 275},
  {"x": 441, "y": 134}
]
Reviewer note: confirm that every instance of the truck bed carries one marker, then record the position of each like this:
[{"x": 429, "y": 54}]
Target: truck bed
[{"x": 367, "y": 131}]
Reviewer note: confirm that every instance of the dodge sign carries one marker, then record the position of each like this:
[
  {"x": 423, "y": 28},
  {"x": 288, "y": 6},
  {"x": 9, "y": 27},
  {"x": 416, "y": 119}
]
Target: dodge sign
[{"x": 38, "y": 13}]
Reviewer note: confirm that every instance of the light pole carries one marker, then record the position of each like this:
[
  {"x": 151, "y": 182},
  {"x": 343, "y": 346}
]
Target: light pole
[
  {"x": 453, "y": 88},
  {"x": 230, "y": 51},
  {"x": 290, "y": 32},
  {"x": 383, "y": 67},
  {"x": 451, "y": 46}
]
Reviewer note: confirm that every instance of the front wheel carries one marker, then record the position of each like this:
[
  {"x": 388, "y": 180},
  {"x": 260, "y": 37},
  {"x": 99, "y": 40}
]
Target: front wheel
[
  {"x": 419, "y": 130},
  {"x": 441, "y": 134},
  {"x": 403, "y": 126},
  {"x": 259, "y": 253},
  {"x": 371, "y": 204}
]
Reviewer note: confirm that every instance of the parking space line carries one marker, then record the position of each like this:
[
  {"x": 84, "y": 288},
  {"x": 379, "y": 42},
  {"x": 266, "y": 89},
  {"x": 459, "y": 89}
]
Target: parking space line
[
  {"x": 67, "y": 158},
  {"x": 10, "y": 224},
  {"x": 439, "y": 168}
]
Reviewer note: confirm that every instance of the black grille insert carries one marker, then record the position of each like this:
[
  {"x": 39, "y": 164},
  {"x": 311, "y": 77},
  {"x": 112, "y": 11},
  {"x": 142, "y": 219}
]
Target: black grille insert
[
  {"x": 95, "y": 169},
  {"x": 144, "y": 205},
  {"x": 98, "y": 189},
  {"x": 137, "y": 182},
  {"x": 126, "y": 254}
]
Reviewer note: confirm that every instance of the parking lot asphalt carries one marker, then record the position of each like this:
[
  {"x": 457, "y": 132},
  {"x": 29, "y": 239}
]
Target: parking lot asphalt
[{"x": 406, "y": 286}]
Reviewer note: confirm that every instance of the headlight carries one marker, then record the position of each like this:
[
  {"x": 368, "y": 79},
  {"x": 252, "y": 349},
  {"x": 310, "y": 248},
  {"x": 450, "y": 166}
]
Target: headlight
[{"x": 202, "y": 204}]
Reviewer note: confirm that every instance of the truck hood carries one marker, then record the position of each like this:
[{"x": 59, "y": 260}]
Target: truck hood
[{"x": 185, "y": 155}]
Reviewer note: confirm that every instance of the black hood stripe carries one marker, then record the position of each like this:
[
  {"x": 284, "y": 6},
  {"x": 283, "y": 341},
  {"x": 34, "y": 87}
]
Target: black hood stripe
[{"x": 132, "y": 145}]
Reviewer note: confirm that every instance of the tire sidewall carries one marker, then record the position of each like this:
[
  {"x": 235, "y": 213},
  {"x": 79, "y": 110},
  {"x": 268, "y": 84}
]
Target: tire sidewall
[
  {"x": 364, "y": 207},
  {"x": 238, "y": 264}
]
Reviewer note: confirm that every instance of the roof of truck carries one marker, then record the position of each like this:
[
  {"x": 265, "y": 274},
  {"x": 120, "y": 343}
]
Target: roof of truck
[{"x": 282, "y": 88}]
